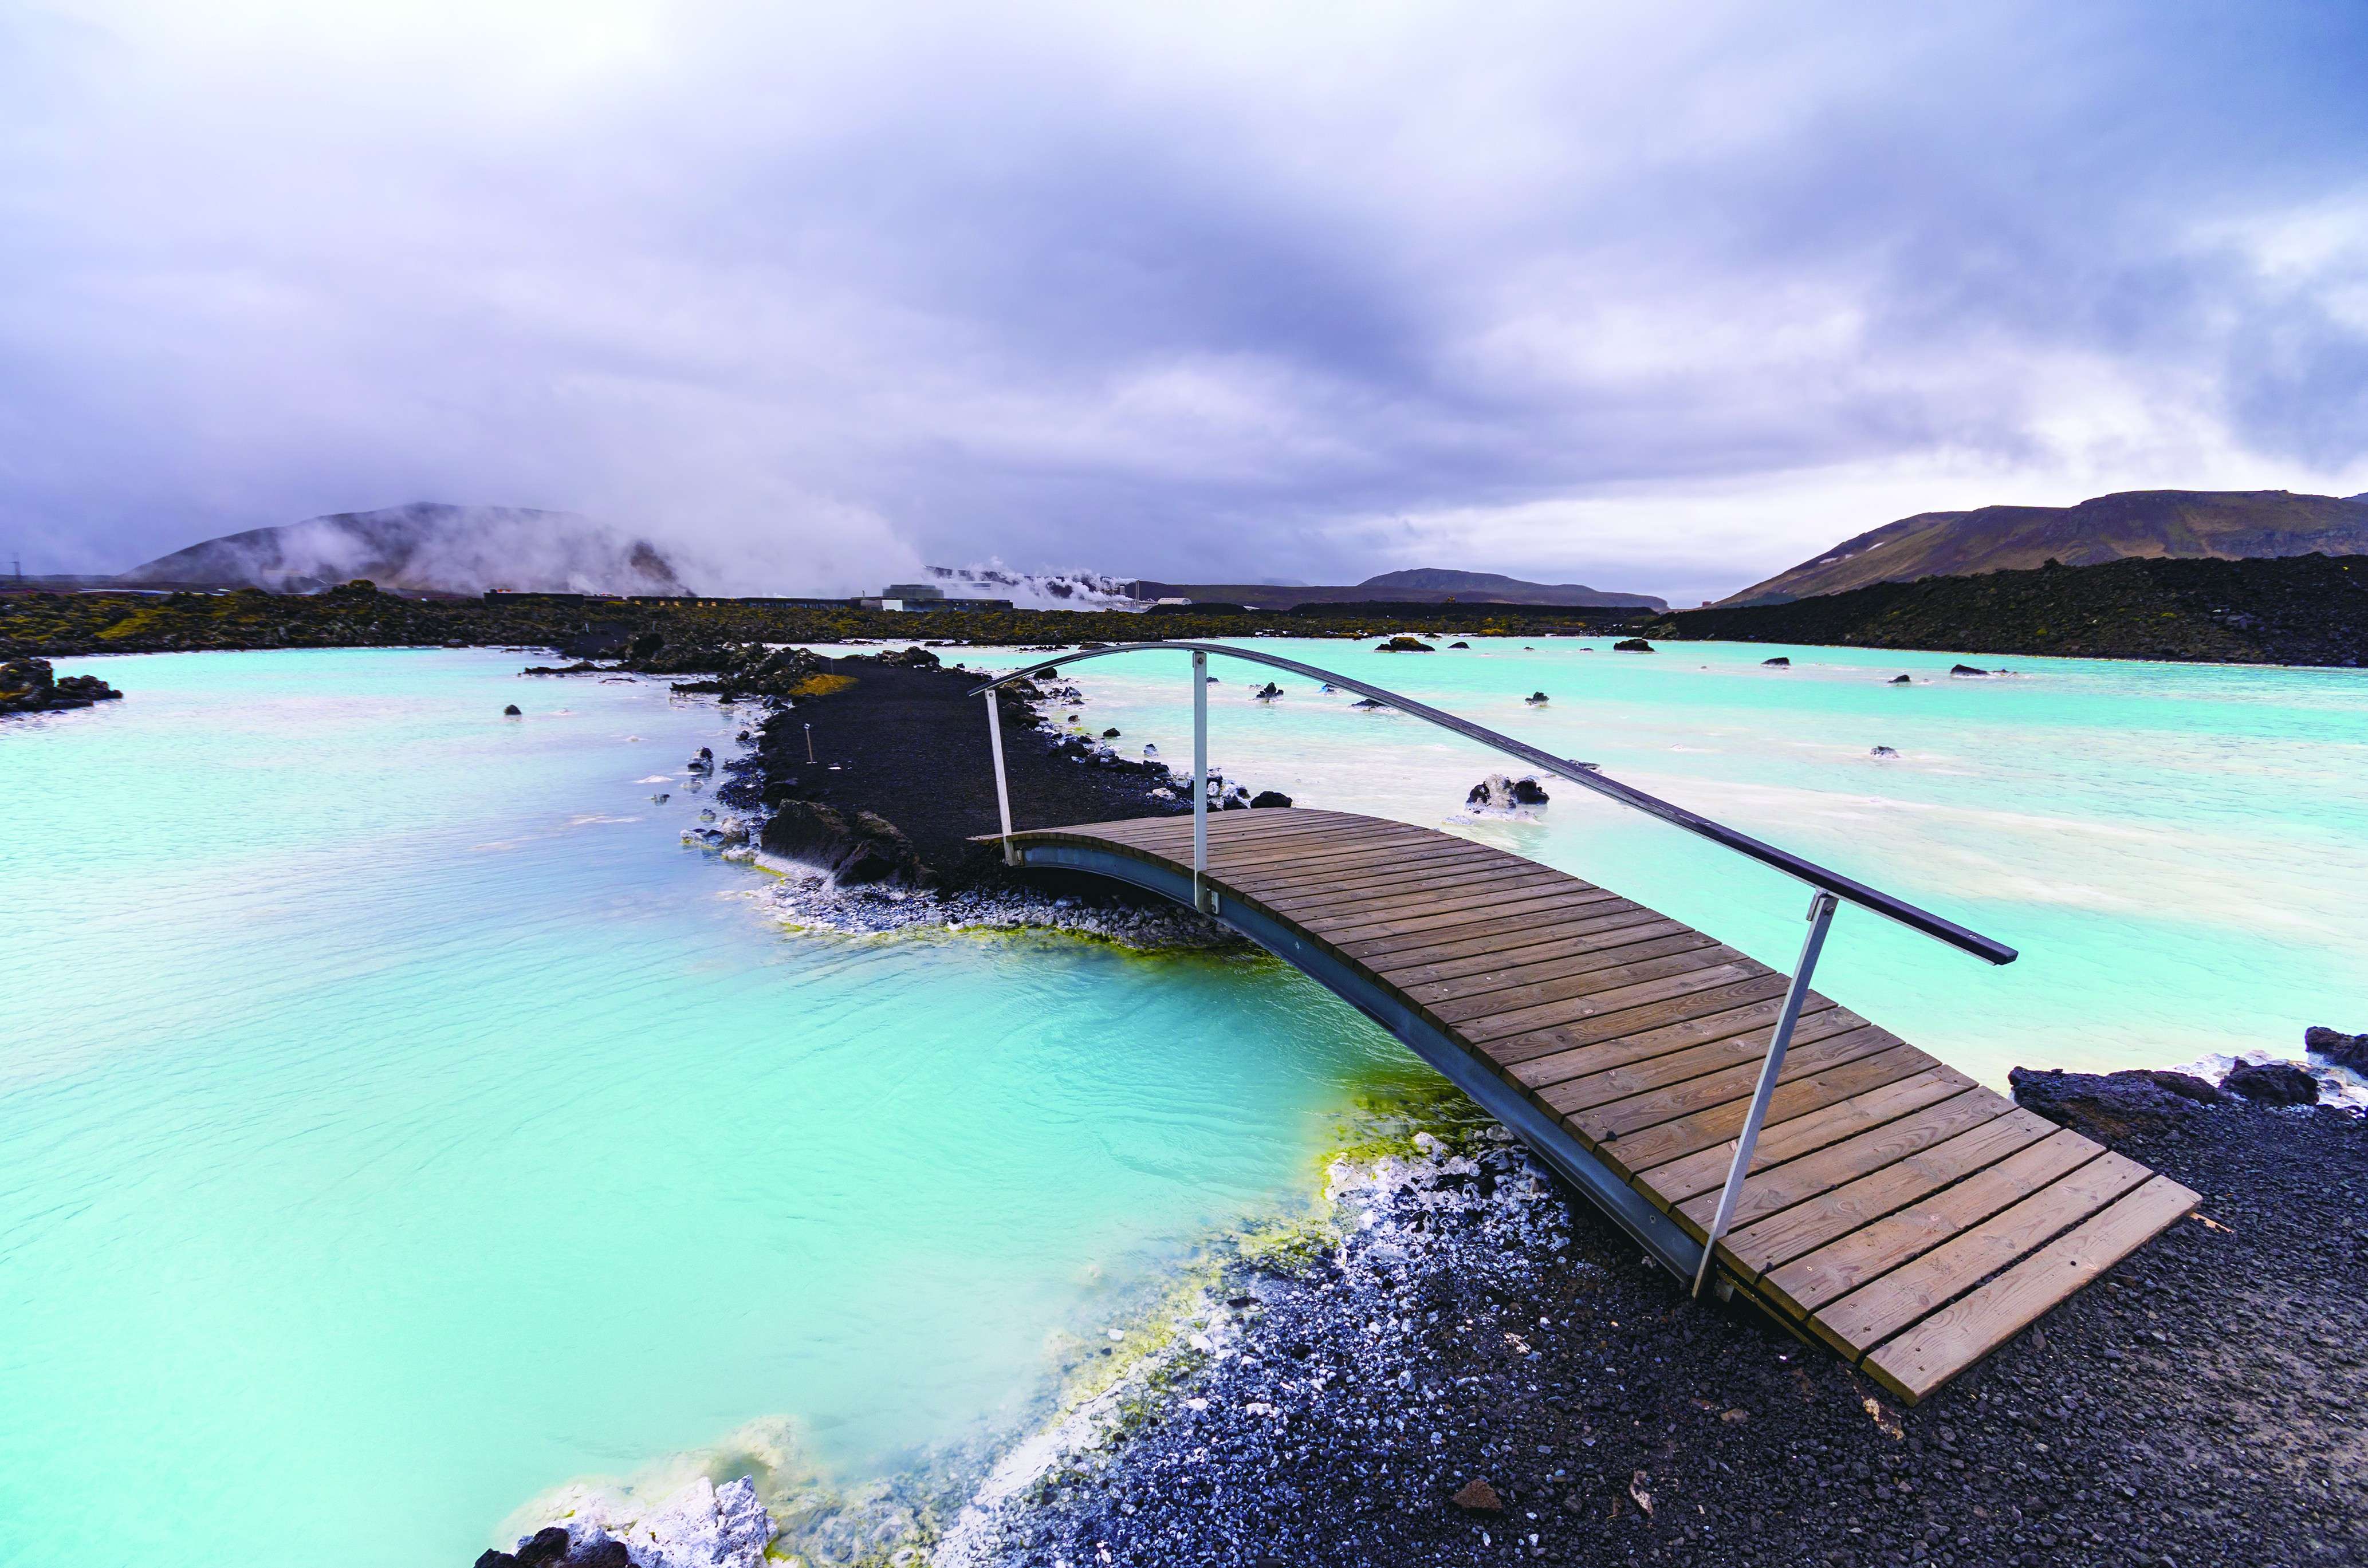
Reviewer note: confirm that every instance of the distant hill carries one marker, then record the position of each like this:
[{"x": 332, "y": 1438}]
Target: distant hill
[
  {"x": 2226, "y": 525},
  {"x": 1421, "y": 585},
  {"x": 2294, "y": 610},
  {"x": 426, "y": 548}
]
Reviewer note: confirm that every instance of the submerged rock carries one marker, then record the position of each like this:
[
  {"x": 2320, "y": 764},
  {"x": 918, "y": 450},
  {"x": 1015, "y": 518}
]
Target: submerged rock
[
  {"x": 1882, "y": 751},
  {"x": 1267, "y": 692},
  {"x": 1459, "y": 644},
  {"x": 1966, "y": 670},
  {"x": 1779, "y": 662},
  {"x": 1902, "y": 680}
]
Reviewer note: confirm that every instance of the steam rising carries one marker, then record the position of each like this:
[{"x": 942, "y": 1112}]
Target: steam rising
[{"x": 427, "y": 547}]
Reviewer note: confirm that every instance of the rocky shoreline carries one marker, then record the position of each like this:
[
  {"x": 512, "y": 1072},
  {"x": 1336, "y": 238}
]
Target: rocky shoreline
[{"x": 1456, "y": 1362}]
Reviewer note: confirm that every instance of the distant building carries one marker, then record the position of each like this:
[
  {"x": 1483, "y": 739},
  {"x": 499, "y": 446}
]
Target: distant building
[{"x": 912, "y": 591}]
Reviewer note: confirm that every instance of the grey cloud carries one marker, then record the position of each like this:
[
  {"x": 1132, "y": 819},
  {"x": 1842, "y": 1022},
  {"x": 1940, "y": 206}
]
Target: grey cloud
[{"x": 814, "y": 298}]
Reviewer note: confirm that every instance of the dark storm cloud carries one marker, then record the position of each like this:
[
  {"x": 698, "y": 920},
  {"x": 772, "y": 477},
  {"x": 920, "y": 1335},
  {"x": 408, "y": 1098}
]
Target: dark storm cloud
[{"x": 1662, "y": 301}]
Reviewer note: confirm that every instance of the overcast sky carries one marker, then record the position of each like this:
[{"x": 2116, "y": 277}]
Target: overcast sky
[{"x": 1657, "y": 298}]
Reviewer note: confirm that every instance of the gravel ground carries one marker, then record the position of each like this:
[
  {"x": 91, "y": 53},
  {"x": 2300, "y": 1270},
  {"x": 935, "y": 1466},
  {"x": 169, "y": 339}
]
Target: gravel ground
[{"x": 2202, "y": 1404}]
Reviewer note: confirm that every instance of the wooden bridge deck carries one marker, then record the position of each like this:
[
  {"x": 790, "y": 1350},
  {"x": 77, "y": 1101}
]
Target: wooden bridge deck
[{"x": 1904, "y": 1215}]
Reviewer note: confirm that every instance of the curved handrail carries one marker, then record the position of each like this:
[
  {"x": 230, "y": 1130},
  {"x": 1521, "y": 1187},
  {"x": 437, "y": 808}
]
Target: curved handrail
[{"x": 1923, "y": 920}]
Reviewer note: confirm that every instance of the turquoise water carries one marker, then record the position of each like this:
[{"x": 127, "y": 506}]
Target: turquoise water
[
  {"x": 396, "y": 1121},
  {"x": 2178, "y": 851}
]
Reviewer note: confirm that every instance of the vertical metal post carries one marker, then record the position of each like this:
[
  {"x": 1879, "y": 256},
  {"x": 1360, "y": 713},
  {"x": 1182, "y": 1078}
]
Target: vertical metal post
[
  {"x": 1200, "y": 779},
  {"x": 1002, "y": 785},
  {"x": 1821, "y": 916}
]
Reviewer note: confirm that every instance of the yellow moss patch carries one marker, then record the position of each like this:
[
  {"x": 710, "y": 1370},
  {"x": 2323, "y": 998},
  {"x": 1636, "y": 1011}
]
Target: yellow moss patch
[{"x": 821, "y": 686}]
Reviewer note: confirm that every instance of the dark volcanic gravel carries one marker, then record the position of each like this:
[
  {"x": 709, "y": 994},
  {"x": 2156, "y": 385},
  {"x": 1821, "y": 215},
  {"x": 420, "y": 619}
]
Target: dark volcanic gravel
[
  {"x": 2202, "y": 1404},
  {"x": 911, "y": 746}
]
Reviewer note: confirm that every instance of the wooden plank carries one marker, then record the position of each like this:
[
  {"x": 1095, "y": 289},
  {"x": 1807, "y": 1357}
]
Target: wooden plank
[
  {"x": 1763, "y": 991},
  {"x": 1468, "y": 953},
  {"x": 1890, "y": 1303},
  {"x": 1603, "y": 1107},
  {"x": 1804, "y": 1227},
  {"x": 1331, "y": 858},
  {"x": 1608, "y": 980},
  {"x": 1507, "y": 1017},
  {"x": 1541, "y": 972},
  {"x": 1473, "y": 891},
  {"x": 1801, "y": 1180},
  {"x": 1834, "y": 1270},
  {"x": 1798, "y": 1093},
  {"x": 1781, "y": 1140},
  {"x": 1448, "y": 877},
  {"x": 1956, "y": 1337},
  {"x": 1418, "y": 933}
]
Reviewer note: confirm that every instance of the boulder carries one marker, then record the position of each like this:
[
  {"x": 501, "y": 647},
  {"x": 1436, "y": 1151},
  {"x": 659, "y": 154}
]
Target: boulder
[
  {"x": 1528, "y": 792},
  {"x": 1902, "y": 680},
  {"x": 31, "y": 685},
  {"x": 512, "y": 712},
  {"x": 913, "y": 658},
  {"x": 1459, "y": 644},
  {"x": 1966, "y": 670},
  {"x": 2333, "y": 1045},
  {"x": 1882, "y": 751},
  {"x": 854, "y": 848},
  {"x": 1631, "y": 646},
  {"x": 2272, "y": 1082},
  {"x": 1266, "y": 798},
  {"x": 1535, "y": 700},
  {"x": 1779, "y": 662},
  {"x": 1404, "y": 645},
  {"x": 1267, "y": 692},
  {"x": 2112, "y": 1107}
]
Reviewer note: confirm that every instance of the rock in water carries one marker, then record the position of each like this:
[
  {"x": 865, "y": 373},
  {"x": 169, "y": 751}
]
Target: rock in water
[
  {"x": 1267, "y": 799},
  {"x": 1631, "y": 646},
  {"x": 1779, "y": 662},
  {"x": 1902, "y": 680},
  {"x": 2333, "y": 1045},
  {"x": 1459, "y": 644},
  {"x": 1535, "y": 700},
  {"x": 1882, "y": 751},
  {"x": 1404, "y": 645},
  {"x": 30, "y": 685},
  {"x": 2272, "y": 1082},
  {"x": 512, "y": 712},
  {"x": 1966, "y": 670}
]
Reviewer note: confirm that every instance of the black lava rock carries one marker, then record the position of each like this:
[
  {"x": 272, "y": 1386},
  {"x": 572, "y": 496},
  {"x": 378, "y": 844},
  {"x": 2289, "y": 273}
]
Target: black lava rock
[
  {"x": 1779, "y": 662},
  {"x": 1902, "y": 680},
  {"x": 2272, "y": 1082},
  {"x": 1267, "y": 798},
  {"x": 1966, "y": 670},
  {"x": 2113, "y": 1107},
  {"x": 2343, "y": 1049},
  {"x": 512, "y": 712},
  {"x": 856, "y": 847},
  {"x": 1631, "y": 646}
]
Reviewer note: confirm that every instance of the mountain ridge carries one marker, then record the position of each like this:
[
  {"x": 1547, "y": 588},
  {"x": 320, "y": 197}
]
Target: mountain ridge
[
  {"x": 1417, "y": 585},
  {"x": 2226, "y": 525}
]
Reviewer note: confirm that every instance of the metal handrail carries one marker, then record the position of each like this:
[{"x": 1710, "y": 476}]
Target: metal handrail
[{"x": 1828, "y": 880}]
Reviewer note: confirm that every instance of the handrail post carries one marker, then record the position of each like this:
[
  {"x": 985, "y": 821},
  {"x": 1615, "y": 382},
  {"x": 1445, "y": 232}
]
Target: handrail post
[
  {"x": 1002, "y": 784},
  {"x": 1821, "y": 916},
  {"x": 1199, "y": 780}
]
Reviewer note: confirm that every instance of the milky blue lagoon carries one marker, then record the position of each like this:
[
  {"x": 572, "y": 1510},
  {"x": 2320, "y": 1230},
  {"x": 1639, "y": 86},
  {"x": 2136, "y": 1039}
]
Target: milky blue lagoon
[{"x": 397, "y": 1121}]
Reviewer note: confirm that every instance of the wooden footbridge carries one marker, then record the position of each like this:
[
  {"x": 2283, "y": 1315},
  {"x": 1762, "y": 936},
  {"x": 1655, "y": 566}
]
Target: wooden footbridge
[{"x": 1751, "y": 1134}]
